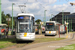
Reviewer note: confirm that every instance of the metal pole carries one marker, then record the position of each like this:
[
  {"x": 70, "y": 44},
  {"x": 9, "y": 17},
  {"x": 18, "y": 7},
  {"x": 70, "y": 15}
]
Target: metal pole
[
  {"x": 45, "y": 17},
  {"x": 62, "y": 16},
  {"x": 56, "y": 19},
  {"x": 41, "y": 28},
  {"x": 67, "y": 25},
  {"x": 51, "y": 17},
  {"x": 71, "y": 24},
  {"x": 0, "y": 12},
  {"x": 65, "y": 18},
  {"x": 59, "y": 31},
  {"x": 12, "y": 17}
]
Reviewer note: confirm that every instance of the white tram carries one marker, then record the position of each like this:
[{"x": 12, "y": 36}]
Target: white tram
[
  {"x": 25, "y": 27},
  {"x": 52, "y": 28}
]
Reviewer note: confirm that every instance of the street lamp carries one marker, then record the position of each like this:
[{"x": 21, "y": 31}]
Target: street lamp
[
  {"x": 12, "y": 16},
  {"x": 0, "y": 11},
  {"x": 45, "y": 16},
  {"x": 51, "y": 16}
]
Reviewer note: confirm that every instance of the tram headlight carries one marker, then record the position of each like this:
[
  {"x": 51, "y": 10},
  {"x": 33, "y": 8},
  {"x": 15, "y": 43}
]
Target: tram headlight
[{"x": 46, "y": 31}]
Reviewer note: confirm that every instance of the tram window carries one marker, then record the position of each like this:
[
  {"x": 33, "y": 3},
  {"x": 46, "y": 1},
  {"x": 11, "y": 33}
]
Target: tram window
[
  {"x": 50, "y": 27},
  {"x": 33, "y": 20}
]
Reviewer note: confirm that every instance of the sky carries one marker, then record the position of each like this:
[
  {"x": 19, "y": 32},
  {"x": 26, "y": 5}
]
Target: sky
[{"x": 37, "y": 7}]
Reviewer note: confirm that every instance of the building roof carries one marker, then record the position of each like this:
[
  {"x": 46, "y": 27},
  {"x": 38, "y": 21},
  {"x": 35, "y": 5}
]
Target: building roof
[{"x": 3, "y": 24}]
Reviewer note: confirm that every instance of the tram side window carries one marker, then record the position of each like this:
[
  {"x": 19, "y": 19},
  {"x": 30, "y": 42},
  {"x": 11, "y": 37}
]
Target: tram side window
[
  {"x": 33, "y": 20},
  {"x": 33, "y": 28}
]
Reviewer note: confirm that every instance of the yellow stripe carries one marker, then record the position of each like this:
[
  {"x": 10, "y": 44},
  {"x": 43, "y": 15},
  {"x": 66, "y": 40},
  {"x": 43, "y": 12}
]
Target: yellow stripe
[
  {"x": 67, "y": 36},
  {"x": 49, "y": 32},
  {"x": 25, "y": 34}
]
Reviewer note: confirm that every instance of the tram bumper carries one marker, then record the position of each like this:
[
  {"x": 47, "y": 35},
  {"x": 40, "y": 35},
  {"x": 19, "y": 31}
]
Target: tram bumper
[
  {"x": 50, "y": 33},
  {"x": 26, "y": 38}
]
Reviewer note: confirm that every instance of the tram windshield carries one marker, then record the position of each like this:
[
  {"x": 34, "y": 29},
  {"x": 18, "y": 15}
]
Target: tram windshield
[
  {"x": 50, "y": 27},
  {"x": 24, "y": 24}
]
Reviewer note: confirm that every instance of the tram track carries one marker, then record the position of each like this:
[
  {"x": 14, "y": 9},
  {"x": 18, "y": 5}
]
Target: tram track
[{"x": 46, "y": 43}]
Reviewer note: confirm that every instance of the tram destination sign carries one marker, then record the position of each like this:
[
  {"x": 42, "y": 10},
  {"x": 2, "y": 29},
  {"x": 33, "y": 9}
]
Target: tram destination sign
[{"x": 23, "y": 17}]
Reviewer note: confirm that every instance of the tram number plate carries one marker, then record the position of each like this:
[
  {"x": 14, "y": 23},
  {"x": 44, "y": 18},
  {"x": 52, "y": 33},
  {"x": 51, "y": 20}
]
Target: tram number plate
[
  {"x": 49, "y": 32},
  {"x": 25, "y": 34}
]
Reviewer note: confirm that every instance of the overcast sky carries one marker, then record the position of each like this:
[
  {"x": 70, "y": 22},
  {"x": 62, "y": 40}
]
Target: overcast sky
[{"x": 37, "y": 7}]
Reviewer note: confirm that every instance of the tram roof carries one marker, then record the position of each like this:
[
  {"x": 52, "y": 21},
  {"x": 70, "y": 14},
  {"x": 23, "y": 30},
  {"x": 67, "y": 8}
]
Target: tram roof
[
  {"x": 53, "y": 22},
  {"x": 25, "y": 14}
]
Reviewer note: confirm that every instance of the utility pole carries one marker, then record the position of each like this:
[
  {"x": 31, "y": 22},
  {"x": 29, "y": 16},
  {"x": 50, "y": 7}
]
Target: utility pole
[
  {"x": 71, "y": 24},
  {"x": 65, "y": 18},
  {"x": 62, "y": 17},
  {"x": 56, "y": 19},
  {"x": 51, "y": 17},
  {"x": 71, "y": 19},
  {"x": 67, "y": 25},
  {"x": 12, "y": 16},
  {"x": 0, "y": 13},
  {"x": 45, "y": 17}
]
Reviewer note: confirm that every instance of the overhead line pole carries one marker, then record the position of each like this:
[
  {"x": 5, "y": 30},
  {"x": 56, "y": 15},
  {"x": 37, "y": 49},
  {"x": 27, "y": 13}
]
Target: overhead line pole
[
  {"x": 67, "y": 25},
  {"x": 0, "y": 13},
  {"x": 71, "y": 24},
  {"x": 62, "y": 17},
  {"x": 45, "y": 17},
  {"x": 12, "y": 16}
]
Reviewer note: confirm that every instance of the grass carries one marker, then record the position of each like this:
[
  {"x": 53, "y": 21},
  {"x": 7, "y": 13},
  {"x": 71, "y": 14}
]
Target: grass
[
  {"x": 38, "y": 40},
  {"x": 69, "y": 47},
  {"x": 71, "y": 32},
  {"x": 9, "y": 42},
  {"x": 6, "y": 43}
]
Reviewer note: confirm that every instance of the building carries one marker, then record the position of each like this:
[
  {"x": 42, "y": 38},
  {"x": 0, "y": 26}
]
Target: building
[{"x": 65, "y": 16}]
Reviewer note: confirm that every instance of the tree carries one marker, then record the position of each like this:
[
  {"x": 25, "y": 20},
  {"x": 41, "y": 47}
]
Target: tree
[
  {"x": 3, "y": 18},
  {"x": 38, "y": 21},
  {"x": 10, "y": 22},
  {"x": 6, "y": 22}
]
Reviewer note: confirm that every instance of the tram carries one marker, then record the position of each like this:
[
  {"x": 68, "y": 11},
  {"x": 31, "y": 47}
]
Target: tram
[
  {"x": 25, "y": 27},
  {"x": 52, "y": 28}
]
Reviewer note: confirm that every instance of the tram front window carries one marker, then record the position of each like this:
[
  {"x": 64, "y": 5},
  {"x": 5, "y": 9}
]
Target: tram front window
[
  {"x": 23, "y": 28},
  {"x": 24, "y": 24},
  {"x": 50, "y": 27}
]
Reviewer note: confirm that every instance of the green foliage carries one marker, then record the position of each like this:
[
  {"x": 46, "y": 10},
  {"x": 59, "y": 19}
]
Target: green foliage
[
  {"x": 3, "y": 18},
  {"x": 6, "y": 22},
  {"x": 38, "y": 21},
  {"x": 68, "y": 47},
  {"x": 39, "y": 27}
]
